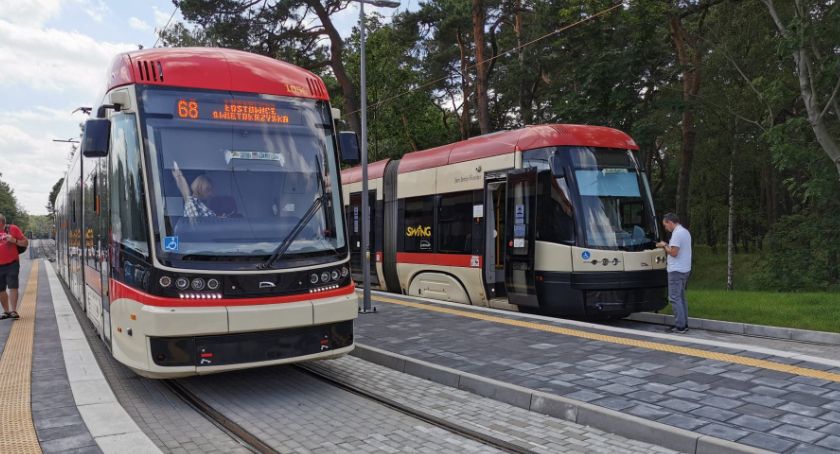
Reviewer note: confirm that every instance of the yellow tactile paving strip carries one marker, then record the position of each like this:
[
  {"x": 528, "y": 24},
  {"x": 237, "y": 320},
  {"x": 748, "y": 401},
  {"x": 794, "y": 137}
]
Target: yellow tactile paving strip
[
  {"x": 650, "y": 345},
  {"x": 17, "y": 431}
]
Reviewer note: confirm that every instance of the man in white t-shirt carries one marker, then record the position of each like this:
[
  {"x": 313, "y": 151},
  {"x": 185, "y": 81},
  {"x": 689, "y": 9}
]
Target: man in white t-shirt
[{"x": 679, "y": 268}]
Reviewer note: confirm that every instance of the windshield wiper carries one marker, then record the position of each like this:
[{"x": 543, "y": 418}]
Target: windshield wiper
[{"x": 290, "y": 238}]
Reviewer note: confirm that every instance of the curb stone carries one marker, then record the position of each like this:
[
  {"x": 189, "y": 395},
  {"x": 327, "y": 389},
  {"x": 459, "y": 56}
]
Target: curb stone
[
  {"x": 557, "y": 406},
  {"x": 107, "y": 421},
  {"x": 775, "y": 332}
]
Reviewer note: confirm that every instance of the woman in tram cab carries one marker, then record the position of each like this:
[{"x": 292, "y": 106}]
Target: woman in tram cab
[{"x": 195, "y": 195}]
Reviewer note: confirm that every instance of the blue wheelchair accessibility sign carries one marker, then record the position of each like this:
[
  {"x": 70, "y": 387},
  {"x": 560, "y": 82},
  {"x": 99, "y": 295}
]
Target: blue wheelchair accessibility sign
[
  {"x": 585, "y": 255},
  {"x": 170, "y": 243}
]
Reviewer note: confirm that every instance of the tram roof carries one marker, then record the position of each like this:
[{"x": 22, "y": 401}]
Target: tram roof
[
  {"x": 354, "y": 174},
  {"x": 214, "y": 69},
  {"x": 499, "y": 143}
]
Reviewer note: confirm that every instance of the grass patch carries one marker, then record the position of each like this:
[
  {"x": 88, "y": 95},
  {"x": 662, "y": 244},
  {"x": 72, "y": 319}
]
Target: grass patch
[
  {"x": 709, "y": 269},
  {"x": 708, "y": 297},
  {"x": 814, "y": 311}
]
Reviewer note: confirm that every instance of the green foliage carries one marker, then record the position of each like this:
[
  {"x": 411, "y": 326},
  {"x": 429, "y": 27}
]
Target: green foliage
[
  {"x": 275, "y": 29},
  {"x": 9, "y": 206},
  {"x": 802, "y": 253},
  {"x": 400, "y": 119},
  {"x": 39, "y": 226},
  {"x": 53, "y": 195},
  {"x": 708, "y": 270}
]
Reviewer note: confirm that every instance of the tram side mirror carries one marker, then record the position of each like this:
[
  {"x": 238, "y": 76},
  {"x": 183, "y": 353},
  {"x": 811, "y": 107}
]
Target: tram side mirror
[
  {"x": 97, "y": 138},
  {"x": 348, "y": 142}
]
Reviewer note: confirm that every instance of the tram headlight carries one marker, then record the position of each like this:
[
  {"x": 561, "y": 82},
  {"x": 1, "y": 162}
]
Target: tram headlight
[
  {"x": 344, "y": 271},
  {"x": 213, "y": 284},
  {"x": 325, "y": 276},
  {"x": 182, "y": 283},
  {"x": 165, "y": 281},
  {"x": 334, "y": 275},
  {"x": 198, "y": 284},
  {"x": 313, "y": 278}
]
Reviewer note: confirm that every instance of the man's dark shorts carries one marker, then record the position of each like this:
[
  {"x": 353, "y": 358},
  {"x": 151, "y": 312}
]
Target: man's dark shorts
[{"x": 9, "y": 275}]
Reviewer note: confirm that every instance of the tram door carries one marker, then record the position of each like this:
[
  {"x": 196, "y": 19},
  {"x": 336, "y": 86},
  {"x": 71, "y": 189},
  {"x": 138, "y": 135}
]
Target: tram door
[
  {"x": 494, "y": 234},
  {"x": 520, "y": 237},
  {"x": 354, "y": 221}
]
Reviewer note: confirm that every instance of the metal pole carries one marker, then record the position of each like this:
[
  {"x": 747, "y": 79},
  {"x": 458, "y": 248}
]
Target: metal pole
[{"x": 366, "y": 306}]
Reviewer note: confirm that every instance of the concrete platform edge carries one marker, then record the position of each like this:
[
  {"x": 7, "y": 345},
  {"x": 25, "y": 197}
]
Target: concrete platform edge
[
  {"x": 112, "y": 428},
  {"x": 623, "y": 331},
  {"x": 556, "y": 406},
  {"x": 775, "y": 332}
]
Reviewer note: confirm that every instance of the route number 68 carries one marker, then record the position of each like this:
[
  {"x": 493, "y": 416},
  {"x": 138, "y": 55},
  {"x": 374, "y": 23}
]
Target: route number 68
[{"x": 187, "y": 109}]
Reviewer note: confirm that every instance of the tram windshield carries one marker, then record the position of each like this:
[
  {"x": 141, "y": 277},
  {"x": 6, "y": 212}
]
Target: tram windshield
[
  {"x": 615, "y": 204},
  {"x": 236, "y": 174}
]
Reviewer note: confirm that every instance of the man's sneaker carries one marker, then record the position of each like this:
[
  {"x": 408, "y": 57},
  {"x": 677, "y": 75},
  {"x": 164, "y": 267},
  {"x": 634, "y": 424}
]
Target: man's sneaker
[
  {"x": 680, "y": 330},
  {"x": 671, "y": 329},
  {"x": 5, "y": 315}
]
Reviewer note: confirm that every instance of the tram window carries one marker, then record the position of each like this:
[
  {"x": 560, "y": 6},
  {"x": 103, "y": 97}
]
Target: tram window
[
  {"x": 455, "y": 223},
  {"x": 418, "y": 221},
  {"x": 556, "y": 211},
  {"x": 632, "y": 213},
  {"x": 128, "y": 220},
  {"x": 91, "y": 216},
  {"x": 539, "y": 158}
]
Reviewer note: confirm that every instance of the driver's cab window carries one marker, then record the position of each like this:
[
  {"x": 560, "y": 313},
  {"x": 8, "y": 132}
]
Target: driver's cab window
[
  {"x": 554, "y": 202},
  {"x": 128, "y": 208},
  {"x": 632, "y": 214}
]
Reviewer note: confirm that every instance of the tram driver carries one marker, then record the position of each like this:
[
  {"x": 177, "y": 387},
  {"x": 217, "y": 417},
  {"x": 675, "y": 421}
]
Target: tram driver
[{"x": 196, "y": 195}]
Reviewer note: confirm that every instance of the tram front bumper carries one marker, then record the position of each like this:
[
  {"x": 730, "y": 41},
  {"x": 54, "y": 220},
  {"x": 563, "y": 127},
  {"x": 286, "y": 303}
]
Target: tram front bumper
[
  {"x": 601, "y": 294},
  {"x": 256, "y": 347},
  {"x": 160, "y": 342}
]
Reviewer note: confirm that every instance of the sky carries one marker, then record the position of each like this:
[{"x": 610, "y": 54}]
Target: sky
[{"x": 53, "y": 58}]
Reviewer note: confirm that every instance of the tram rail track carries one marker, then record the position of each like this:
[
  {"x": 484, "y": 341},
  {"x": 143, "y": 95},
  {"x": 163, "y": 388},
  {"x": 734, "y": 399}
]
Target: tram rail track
[
  {"x": 253, "y": 442},
  {"x": 234, "y": 430},
  {"x": 458, "y": 429}
]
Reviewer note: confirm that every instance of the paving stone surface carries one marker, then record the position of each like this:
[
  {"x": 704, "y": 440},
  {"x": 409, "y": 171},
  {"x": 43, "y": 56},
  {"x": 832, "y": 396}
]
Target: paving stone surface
[
  {"x": 526, "y": 429},
  {"x": 59, "y": 425},
  {"x": 6, "y": 324},
  {"x": 296, "y": 412},
  {"x": 819, "y": 350},
  {"x": 170, "y": 423},
  {"x": 754, "y": 406}
]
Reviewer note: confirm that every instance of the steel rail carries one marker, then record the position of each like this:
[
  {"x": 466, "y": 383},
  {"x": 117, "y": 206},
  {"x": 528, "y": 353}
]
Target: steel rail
[
  {"x": 234, "y": 430},
  {"x": 450, "y": 426}
]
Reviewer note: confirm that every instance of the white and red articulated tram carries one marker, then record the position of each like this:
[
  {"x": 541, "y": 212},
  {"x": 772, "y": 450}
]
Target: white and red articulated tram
[
  {"x": 202, "y": 231},
  {"x": 555, "y": 219}
]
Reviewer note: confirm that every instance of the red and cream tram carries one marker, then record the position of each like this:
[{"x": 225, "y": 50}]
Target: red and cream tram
[
  {"x": 202, "y": 230},
  {"x": 556, "y": 219}
]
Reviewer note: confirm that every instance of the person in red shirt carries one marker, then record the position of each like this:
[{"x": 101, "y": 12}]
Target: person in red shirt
[{"x": 10, "y": 238}]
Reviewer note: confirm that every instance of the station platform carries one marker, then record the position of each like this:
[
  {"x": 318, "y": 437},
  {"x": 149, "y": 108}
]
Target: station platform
[
  {"x": 757, "y": 393},
  {"x": 53, "y": 397}
]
